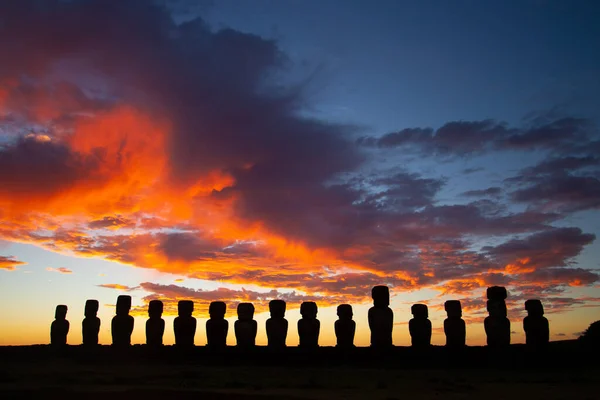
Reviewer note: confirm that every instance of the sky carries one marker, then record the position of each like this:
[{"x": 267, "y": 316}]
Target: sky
[{"x": 302, "y": 150}]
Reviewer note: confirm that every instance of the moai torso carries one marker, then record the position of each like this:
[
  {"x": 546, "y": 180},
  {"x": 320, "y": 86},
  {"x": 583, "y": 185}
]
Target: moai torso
[
  {"x": 184, "y": 325},
  {"x": 345, "y": 327},
  {"x": 454, "y": 326},
  {"x": 497, "y": 325},
  {"x": 309, "y": 326},
  {"x": 60, "y": 327},
  {"x": 277, "y": 325},
  {"x": 91, "y": 323},
  {"x": 420, "y": 326},
  {"x": 535, "y": 325},
  {"x": 217, "y": 326},
  {"x": 122, "y": 323},
  {"x": 245, "y": 327},
  {"x": 381, "y": 318},
  {"x": 155, "y": 326}
]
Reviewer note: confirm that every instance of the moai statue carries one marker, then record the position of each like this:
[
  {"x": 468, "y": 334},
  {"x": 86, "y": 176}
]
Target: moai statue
[
  {"x": 217, "y": 326},
  {"x": 60, "y": 327},
  {"x": 245, "y": 327},
  {"x": 345, "y": 327},
  {"x": 420, "y": 326},
  {"x": 454, "y": 326},
  {"x": 155, "y": 326},
  {"x": 497, "y": 325},
  {"x": 122, "y": 323},
  {"x": 277, "y": 325},
  {"x": 91, "y": 323},
  {"x": 381, "y": 318},
  {"x": 309, "y": 326},
  {"x": 184, "y": 325},
  {"x": 537, "y": 331}
]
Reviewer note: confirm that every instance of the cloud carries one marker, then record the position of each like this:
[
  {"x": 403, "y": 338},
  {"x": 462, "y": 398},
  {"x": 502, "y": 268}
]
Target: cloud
[
  {"x": 117, "y": 286},
  {"x": 181, "y": 149},
  {"x": 61, "y": 270},
  {"x": 471, "y": 138},
  {"x": 10, "y": 263},
  {"x": 492, "y": 191}
]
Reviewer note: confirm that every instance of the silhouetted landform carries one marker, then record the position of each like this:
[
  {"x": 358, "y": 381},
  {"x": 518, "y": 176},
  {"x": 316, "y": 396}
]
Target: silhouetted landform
[
  {"x": 122, "y": 323},
  {"x": 381, "y": 318},
  {"x": 497, "y": 325},
  {"x": 590, "y": 338},
  {"x": 277, "y": 325},
  {"x": 245, "y": 327},
  {"x": 454, "y": 326},
  {"x": 345, "y": 327},
  {"x": 565, "y": 371},
  {"x": 420, "y": 326},
  {"x": 60, "y": 327},
  {"x": 155, "y": 326},
  {"x": 91, "y": 323},
  {"x": 184, "y": 325},
  {"x": 535, "y": 325},
  {"x": 217, "y": 326},
  {"x": 309, "y": 326}
]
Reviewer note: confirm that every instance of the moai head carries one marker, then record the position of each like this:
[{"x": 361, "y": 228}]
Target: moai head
[
  {"x": 277, "y": 308},
  {"x": 308, "y": 310},
  {"x": 496, "y": 308},
  {"x": 155, "y": 309},
  {"x": 496, "y": 293},
  {"x": 419, "y": 311},
  {"x": 381, "y": 296},
  {"x": 534, "y": 308},
  {"x": 453, "y": 308},
  {"x": 185, "y": 308},
  {"x": 91, "y": 308},
  {"x": 217, "y": 310},
  {"x": 344, "y": 311},
  {"x": 60, "y": 312},
  {"x": 123, "y": 304},
  {"x": 245, "y": 311}
]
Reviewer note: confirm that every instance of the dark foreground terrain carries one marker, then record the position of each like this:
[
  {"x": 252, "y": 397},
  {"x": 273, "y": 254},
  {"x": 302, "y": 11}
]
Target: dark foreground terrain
[{"x": 565, "y": 371}]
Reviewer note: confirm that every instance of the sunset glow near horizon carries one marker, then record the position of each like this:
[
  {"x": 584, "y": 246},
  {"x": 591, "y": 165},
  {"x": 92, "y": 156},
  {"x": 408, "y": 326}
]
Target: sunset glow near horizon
[{"x": 306, "y": 151}]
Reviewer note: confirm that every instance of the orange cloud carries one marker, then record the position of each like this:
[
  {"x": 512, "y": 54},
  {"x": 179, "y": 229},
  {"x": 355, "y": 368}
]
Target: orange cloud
[
  {"x": 61, "y": 270},
  {"x": 10, "y": 263},
  {"x": 117, "y": 286}
]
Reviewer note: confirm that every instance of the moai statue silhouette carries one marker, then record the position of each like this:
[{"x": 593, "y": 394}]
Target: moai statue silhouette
[
  {"x": 60, "y": 327},
  {"x": 345, "y": 327},
  {"x": 381, "y": 318},
  {"x": 309, "y": 326},
  {"x": 184, "y": 325},
  {"x": 454, "y": 326},
  {"x": 497, "y": 325},
  {"x": 420, "y": 326},
  {"x": 217, "y": 326},
  {"x": 537, "y": 331},
  {"x": 122, "y": 323},
  {"x": 155, "y": 326},
  {"x": 91, "y": 323},
  {"x": 277, "y": 325},
  {"x": 245, "y": 327}
]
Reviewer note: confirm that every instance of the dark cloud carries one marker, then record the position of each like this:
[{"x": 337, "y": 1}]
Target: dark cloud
[
  {"x": 465, "y": 138},
  {"x": 36, "y": 165},
  {"x": 492, "y": 191},
  {"x": 111, "y": 222},
  {"x": 550, "y": 248}
]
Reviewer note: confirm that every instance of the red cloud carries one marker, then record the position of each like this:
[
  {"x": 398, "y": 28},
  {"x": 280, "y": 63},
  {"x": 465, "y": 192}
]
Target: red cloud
[{"x": 61, "y": 270}]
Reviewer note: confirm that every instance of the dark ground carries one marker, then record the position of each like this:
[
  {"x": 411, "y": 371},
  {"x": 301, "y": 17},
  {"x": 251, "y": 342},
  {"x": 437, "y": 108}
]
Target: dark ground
[{"x": 565, "y": 371}]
